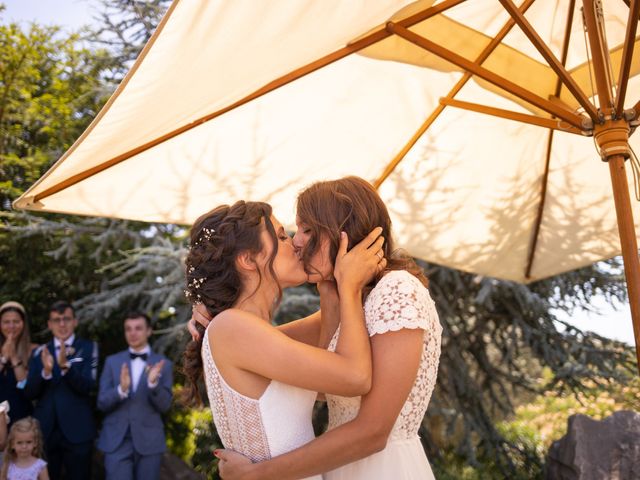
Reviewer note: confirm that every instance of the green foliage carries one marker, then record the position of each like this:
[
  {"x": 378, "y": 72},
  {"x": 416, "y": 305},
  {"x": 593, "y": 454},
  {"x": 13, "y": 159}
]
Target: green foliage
[
  {"x": 539, "y": 423},
  {"x": 455, "y": 467},
  {"x": 190, "y": 436},
  {"x": 535, "y": 425},
  {"x": 50, "y": 88}
]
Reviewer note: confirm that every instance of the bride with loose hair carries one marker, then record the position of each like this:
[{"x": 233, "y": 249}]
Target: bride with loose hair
[
  {"x": 374, "y": 436},
  {"x": 262, "y": 380}
]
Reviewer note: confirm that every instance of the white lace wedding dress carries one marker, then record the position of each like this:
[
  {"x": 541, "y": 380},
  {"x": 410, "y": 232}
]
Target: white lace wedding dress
[
  {"x": 398, "y": 301},
  {"x": 276, "y": 423}
]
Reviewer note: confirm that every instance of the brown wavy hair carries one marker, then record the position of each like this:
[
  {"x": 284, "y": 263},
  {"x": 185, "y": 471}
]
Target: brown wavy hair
[
  {"x": 352, "y": 205},
  {"x": 217, "y": 238},
  {"x": 24, "y": 425},
  {"x": 23, "y": 342}
]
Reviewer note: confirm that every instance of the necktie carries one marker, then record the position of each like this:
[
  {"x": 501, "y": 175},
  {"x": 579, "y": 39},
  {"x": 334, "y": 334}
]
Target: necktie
[{"x": 133, "y": 356}]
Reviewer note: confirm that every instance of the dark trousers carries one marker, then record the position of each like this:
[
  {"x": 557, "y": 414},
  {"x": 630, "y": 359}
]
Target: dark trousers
[{"x": 74, "y": 457}]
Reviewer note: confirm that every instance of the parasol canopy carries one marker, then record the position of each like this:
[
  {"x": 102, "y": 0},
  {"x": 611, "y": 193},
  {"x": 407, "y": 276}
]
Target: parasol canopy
[{"x": 484, "y": 124}]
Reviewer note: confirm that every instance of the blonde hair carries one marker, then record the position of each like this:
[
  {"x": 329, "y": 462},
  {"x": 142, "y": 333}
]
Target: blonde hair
[{"x": 24, "y": 425}]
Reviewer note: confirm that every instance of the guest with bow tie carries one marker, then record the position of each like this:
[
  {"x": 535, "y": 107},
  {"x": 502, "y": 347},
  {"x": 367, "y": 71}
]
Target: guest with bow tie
[
  {"x": 135, "y": 389},
  {"x": 62, "y": 374}
]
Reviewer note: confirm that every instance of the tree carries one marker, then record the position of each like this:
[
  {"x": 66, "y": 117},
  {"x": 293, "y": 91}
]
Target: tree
[
  {"x": 52, "y": 85},
  {"x": 50, "y": 89}
]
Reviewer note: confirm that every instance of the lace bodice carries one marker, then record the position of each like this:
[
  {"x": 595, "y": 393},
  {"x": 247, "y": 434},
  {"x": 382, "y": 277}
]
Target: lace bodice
[
  {"x": 278, "y": 422},
  {"x": 28, "y": 473},
  {"x": 398, "y": 301}
]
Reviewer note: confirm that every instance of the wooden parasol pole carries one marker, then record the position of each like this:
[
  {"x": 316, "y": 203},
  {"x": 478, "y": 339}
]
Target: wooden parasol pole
[{"x": 612, "y": 137}]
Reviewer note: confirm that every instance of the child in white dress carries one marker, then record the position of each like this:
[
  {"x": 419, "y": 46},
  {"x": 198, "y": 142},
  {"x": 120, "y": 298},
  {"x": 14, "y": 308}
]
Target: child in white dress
[{"x": 22, "y": 455}]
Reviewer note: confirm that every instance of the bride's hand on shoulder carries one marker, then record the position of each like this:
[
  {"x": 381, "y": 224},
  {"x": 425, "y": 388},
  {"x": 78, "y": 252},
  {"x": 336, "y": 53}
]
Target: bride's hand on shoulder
[
  {"x": 357, "y": 267},
  {"x": 233, "y": 465},
  {"x": 199, "y": 316}
]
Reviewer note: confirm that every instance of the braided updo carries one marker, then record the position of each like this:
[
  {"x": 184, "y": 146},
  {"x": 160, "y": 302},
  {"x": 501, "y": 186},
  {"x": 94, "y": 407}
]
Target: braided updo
[{"x": 217, "y": 238}]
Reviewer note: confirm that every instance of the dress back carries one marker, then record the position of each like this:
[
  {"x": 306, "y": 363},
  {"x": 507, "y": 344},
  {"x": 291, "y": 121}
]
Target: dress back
[{"x": 277, "y": 422}]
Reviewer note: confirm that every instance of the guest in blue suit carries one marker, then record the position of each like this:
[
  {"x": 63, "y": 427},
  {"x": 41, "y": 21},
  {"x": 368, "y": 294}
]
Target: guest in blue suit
[
  {"x": 135, "y": 389},
  {"x": 62, "y": 374}
]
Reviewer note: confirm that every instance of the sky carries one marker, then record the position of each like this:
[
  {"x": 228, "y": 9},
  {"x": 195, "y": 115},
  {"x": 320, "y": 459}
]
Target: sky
[{"x": 73, "y": 14}]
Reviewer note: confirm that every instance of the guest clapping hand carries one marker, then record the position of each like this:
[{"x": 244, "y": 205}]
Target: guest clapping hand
[
  {"x": 15, "y": 350},
  {"x": 125, "y": 379},
  {"x": 47, "y": 362},
  {"x": 155, "y": 372}
]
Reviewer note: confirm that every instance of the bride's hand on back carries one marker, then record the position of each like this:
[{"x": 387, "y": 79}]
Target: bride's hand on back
[
  {"x": 199, "y": 315},
  {"x": 232, "y": 465},
  {"x": 357, "y": 267}
]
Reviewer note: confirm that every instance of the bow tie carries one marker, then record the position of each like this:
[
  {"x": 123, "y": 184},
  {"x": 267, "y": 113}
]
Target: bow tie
[{"x": 143, "y": 356}]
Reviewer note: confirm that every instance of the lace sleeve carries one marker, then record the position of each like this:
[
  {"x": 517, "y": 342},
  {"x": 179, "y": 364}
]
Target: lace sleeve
[{"x": 399, "y": 301}]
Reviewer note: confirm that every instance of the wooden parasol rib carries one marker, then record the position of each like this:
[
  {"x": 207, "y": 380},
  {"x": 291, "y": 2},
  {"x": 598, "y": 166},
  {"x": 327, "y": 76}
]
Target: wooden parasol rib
[
  {"x": 553, "y": 62},
  {"x": 627, "y": 54},
  {"x": 487, "y": 75},
  {"x": 493, "y": 44},
  {"x": 510, "y": 115},
  {"x": 545, "y": 176}
]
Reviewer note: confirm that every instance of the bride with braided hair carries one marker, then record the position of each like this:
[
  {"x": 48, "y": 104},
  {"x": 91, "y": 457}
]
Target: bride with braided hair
[{"x": 262, "y": 380}]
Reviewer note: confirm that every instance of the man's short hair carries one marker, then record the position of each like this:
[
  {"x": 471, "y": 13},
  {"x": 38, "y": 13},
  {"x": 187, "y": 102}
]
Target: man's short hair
[
  {"x": 136, "y": 314},
  {"x": 60, "y": 306}
]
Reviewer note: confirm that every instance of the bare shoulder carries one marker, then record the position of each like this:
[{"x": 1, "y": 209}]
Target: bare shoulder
[{"x": 233, "y": 323}]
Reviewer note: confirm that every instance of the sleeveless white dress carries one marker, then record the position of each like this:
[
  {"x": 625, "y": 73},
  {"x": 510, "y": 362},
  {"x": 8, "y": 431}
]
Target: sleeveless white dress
[
  {"x": 398, "y": 301},
  {"x": 276, "y": 423}
]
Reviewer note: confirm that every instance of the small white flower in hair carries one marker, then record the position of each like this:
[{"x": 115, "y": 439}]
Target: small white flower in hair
[
  {"x": 206, "y": 235},
  {"x": 196, "y": 283}
]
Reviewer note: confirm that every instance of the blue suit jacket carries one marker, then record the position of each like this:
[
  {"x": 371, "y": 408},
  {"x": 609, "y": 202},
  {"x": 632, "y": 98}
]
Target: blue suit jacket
[
  {"x": 65, "y": 399},
  {"x": 140, "y": 412}
]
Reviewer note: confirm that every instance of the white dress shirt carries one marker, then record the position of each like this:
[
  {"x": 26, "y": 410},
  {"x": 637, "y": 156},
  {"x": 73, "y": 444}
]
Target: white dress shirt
[
  {"x": 137, "y": 366},
  {"x": 68, "y": 342}
]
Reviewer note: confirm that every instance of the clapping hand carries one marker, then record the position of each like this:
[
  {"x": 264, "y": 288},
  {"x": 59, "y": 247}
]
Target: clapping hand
[
  {"x": 154, "y": 372},
  {"x": 125, "y": 378},
  {"x": 47, "y": 361},
  {"x": 9, "y": 347},
  {"x": 62, "y": 357}
]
